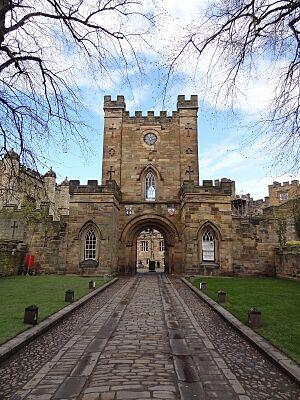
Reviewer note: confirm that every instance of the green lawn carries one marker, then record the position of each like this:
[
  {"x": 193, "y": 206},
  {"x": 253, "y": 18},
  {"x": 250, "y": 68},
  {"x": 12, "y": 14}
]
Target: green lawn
[
  {"x": 277, "y": 299},
  {"x": 47, "y": 292}
]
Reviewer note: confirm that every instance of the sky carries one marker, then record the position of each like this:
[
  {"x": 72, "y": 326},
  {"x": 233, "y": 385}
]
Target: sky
[{"x": 228, "y": 146}]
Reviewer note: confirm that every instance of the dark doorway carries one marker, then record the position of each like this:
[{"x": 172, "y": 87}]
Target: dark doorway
[{"x": 152, "y": 266}]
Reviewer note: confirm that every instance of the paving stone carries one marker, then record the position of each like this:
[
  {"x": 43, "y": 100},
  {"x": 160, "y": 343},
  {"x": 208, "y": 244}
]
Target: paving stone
[
  {"x": 107, "y": 396},
  {"x": 133, "y": 395},
  {"x": 91, "y": 396},
  {"x": 163, "y": 395},
  {"x": 70, "y": 387}
]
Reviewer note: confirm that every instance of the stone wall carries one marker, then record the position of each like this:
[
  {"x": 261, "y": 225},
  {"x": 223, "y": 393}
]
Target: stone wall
[
  {"x": 153, "y": 239},
  {"x": 280, "y": 193},
  {"x": 20, "y": 185},
  {"x": 207, "y": 206},
  {"x": 34, "y": 230},
  {"x": 46, "y": 240},
  {"x": 12, "y": 257},
  {"x": 254, "y": 240},
  {"x": 97, "y": 207},
  {"x": 287, "y": 262}
]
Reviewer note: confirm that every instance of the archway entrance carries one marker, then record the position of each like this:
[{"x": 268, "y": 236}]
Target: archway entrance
[
  {"x": 150, "y": 251},
  {"x": 139, "y": 230}
]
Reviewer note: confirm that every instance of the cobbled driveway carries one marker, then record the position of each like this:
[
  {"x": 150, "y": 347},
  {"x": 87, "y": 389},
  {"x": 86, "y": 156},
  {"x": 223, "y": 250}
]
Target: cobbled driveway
[{"x": 147, "y": 337}]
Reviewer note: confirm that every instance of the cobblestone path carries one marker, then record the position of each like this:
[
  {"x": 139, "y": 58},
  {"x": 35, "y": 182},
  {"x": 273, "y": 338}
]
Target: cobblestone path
[
  {"x": 258, "y": 376},
  {"x": 151, "y": 339},
  {"x": 20, "y": 368}
]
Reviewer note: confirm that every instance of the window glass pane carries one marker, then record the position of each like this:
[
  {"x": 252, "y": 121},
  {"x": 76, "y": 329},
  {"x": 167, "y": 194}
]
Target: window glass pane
[
  {"x": 208, "y": 246},
  {"x": 90, "y": 245},
  {"x": 144, "y": 245},
  {"x": 150, "y": 186},
  {"x": 283, "y": 196}
]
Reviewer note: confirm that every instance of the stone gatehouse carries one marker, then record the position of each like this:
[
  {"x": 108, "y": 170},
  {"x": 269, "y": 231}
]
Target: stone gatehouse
[{"x": 150, "y": 182}]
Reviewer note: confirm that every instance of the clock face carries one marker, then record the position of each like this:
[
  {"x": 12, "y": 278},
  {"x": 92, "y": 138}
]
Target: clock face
[{"x": 150, "y": 138}]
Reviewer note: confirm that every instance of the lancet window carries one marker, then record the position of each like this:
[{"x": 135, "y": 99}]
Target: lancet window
[
  {"x": 208, "y": 246},
  {"x": 90, "y": 245},
  {"x": 150, "y": 186}
]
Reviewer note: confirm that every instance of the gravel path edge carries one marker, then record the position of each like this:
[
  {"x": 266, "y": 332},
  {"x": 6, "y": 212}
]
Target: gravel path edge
[
  {"x": 286, "y": 364},
  {"x": 19, "y": 341}
]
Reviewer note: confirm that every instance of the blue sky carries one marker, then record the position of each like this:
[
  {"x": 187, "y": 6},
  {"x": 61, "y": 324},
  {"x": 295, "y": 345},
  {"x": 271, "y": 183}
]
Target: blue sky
[
  {"x": 227, "y": 147},
  {"x": 222, "y": 151}
]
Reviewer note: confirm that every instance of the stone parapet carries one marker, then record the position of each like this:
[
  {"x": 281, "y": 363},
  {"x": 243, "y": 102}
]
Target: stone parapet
[
  {"x": 115, "y": 104},
  {"x": 92, "y": 187},
  {"x": 183, "y": 103},
  {"x": 149, "y": 119},
  {"x": 282, "y": 192},
  {"x": 223, "y": 187}
]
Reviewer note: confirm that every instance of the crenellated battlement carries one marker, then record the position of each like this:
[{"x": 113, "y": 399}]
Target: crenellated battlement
[
  {"x": 93, "y": 187},
  {"x": 281, "y": 192},
  {"x": 244, "y": 205},
  {"x": 284, "y": 184},
  {"x": 119, "y": 103},
  {"x": 222, "y": 187},
  {"x": 183, "y": 103},
  {"x": 218, "y": 185},
  {"x": 150, "y": 118}
]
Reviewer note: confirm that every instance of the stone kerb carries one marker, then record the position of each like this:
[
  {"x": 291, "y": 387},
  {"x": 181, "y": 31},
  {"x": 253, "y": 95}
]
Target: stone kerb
[{"x": 18, "y": 342}]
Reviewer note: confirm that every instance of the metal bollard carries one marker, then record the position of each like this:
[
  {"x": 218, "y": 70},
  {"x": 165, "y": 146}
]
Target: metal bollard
[
  {"x": 221, "y": 297},
  {"x": 69, "y": 296},
  {"x": 254, "y": 318},
  {"x": 31, "y": 315}
]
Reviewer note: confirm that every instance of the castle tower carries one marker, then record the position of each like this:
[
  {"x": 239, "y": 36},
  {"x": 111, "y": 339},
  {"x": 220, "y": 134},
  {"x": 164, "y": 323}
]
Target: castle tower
[{"x": 140, "y": 151}]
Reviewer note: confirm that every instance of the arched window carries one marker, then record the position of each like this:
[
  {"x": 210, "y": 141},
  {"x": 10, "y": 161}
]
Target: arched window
[
  {"x": 150, "y": 188},
  {"x": 208, "y": 246},
  {"x": 90, "y": 245}
]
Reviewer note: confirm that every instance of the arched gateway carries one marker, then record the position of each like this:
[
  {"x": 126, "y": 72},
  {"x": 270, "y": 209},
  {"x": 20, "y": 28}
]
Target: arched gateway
[
  {"x": 172, "y": 245},
  {"x": 150, "y": 181}
]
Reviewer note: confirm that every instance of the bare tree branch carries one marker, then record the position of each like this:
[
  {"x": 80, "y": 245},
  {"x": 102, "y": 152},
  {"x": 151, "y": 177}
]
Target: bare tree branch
[
  {"x": 39, "y": 98},
  {"x": 241, "y": 35}
]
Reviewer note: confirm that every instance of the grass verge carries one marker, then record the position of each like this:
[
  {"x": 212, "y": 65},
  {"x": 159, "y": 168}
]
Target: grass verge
[
  {"x": 277, "y": 299},
  {"x": 45, "y": 291}
]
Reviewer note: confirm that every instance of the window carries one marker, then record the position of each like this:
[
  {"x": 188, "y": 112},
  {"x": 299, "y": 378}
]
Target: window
[
  {"x": 208, "y": 246},
  {"x": 90, "y": 245},
  {"x": 150, "y": 186},
  {"x": 161, "y": 245},
  {"x": 144, "y": 245},
  {"x": 283, "y": 196}
]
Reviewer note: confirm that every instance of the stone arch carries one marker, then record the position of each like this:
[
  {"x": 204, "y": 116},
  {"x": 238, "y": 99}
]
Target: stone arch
[
  {"x": 131, "y": 232},
  {"x": 146, "y": 169},
  {"x": 209, "y": 224}
]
